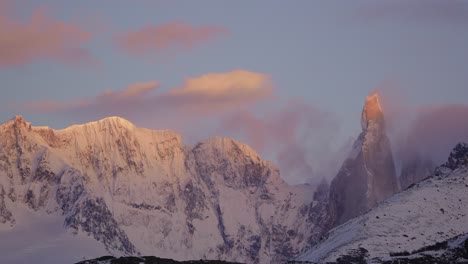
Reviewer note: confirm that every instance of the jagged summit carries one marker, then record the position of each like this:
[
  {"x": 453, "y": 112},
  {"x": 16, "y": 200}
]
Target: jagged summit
[
  {"x": 18, "y": 118},
  {"x": 372, "y": 111},
  {"x": 107, "y": 121},
  {"x": 106, "y": 131},
  {"x": 15, "y": 119},
  {"x": 368, "y": 175},
  {"x": 230, "y": 145},
  {"x": 114, "y": 121}
]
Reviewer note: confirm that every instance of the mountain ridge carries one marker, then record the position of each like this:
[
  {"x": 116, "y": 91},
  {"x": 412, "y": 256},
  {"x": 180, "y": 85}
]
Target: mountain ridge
[
  {"x": 138, "y": 190},
  {"x": 368, "y": 174}
]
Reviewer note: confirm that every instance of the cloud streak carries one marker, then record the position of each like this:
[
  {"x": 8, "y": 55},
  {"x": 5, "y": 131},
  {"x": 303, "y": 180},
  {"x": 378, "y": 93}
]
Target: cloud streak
[
  {"x": 211, "y": 94},
  {"x": 41, "y": 37},
  {"x": 109, "y": 98},
  {"x": 425, "y": 132},
  {"x": 154, "y": 39},
  {"x": 234, "y": 85},
  {"x": 434, "y": 132}
]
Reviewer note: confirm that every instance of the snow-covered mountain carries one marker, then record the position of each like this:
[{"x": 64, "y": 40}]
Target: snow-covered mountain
[
  {"x": 111, "y": 187},
  {"x": 368, "y": 175},
  {"x": 419, "y": 219}
]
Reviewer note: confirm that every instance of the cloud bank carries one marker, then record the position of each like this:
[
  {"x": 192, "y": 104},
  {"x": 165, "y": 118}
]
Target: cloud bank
[
  {"x": 427, "y": 132},
  {"x": 209, "y": 94},
  {"x": 41, "y": 37},
  {"x": 153, "y": 39},
  {"x": 299, "y": 138},
  {"x": 434, "y": 132}
]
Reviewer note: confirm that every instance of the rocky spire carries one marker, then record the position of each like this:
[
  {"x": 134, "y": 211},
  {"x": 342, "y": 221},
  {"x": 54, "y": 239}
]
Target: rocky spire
[
  {"x": 372, "y": 113},
  {"x": 368, "y": 175}
]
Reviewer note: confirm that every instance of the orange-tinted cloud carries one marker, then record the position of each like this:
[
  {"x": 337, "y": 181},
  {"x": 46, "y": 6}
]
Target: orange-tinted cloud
[
  {"x": 41, "y": 37},
  {"x": 237, "y": 84},
  {"x": 158, "y": 38},
  {"x": 133, "y": 91},
  {"x": 210, "y": 94}
]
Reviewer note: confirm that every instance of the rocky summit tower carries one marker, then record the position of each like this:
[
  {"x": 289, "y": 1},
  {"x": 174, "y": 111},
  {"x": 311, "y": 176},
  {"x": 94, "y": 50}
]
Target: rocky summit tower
[{"x": 368, "y": 175}]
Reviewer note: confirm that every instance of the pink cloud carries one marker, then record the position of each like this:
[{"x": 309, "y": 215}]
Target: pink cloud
[
  {"x": 109, "y": 98},
  {"x": 174, "y": 35},
  {"x": 136, "y": 90},
  {"x": 427, "y": 132},
  {"x": 207, "y": 95},
  {"x": 41, "y": 37},
  {"x": 434, "y": 131},
  {"x": 297, "y": 136},
  {"x": 44, "y": 106},
  {"x": 237, "y": 84}
]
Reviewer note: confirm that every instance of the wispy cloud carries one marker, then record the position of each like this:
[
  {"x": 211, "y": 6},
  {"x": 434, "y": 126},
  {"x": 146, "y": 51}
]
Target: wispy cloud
[
  {"x": 211, "y": 93},
  {"x": 131, "y": 92},
  {"x": 422, "y": 131},
  {"x": 235, "y": 85},
  {"x": 108, "y": 99},
  {"x": 297, "y": 136},
  {"x": 155, "y": 39},
  {"x": 434, "y": 131},
  {"x": 41, "y": 37}
]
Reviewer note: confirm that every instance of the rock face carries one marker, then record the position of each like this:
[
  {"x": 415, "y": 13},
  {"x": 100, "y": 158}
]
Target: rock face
[
  {"x": 368, "y": 175},
  {"x": 427, "y": 223},
  {"x": 140, "y": 191}
]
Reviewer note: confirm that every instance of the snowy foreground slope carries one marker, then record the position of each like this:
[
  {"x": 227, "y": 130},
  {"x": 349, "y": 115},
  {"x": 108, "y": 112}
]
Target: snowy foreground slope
[
  {"x": 109, "y": 187},
  {"x": 429, "y": 212}
]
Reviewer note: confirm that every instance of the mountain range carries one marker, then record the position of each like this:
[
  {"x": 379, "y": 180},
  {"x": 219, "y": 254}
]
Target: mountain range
[
  {"x": 137, "y": 191},
  {"x": 110, "y": 187},
  {"x": 427, "y": 221}
]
